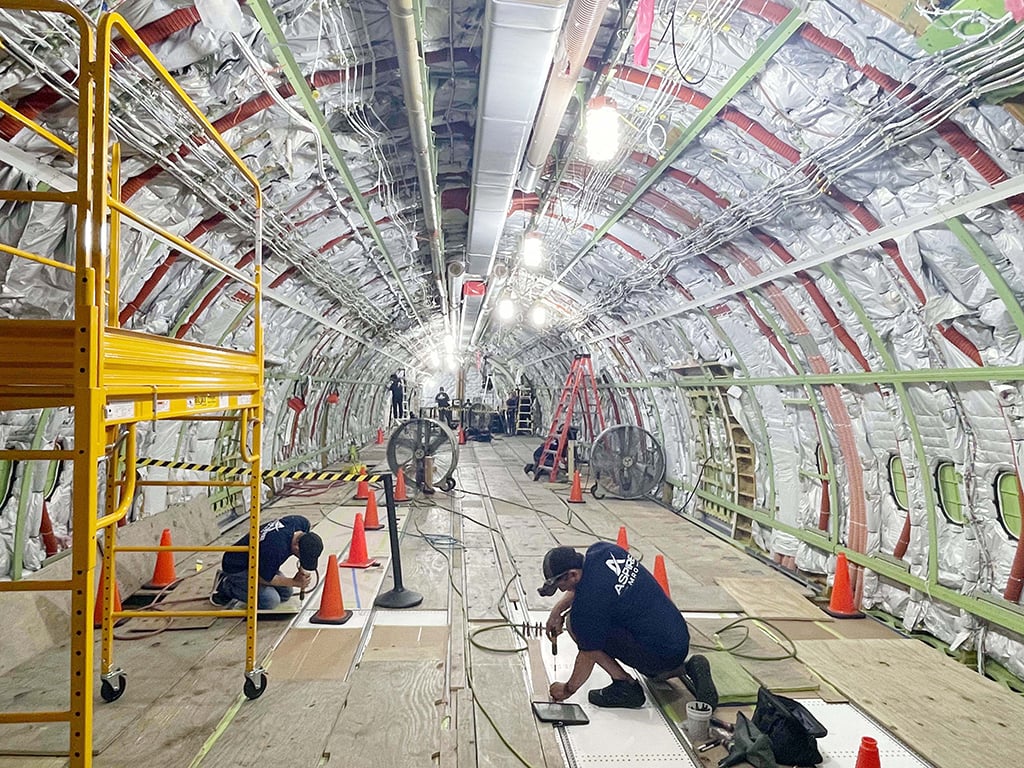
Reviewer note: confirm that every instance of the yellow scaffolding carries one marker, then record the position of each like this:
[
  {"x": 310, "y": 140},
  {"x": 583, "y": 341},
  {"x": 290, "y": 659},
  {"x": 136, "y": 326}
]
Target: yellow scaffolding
[{"x": 114, "y": 379}]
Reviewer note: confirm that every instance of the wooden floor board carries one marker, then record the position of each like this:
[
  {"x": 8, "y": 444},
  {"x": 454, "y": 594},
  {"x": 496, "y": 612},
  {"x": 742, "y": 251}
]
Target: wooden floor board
[
  {"x": 286, "y": 726},
  {"x": 772, "y": 597},
  {"x": 951, "y": 715},
  {"x": 391, "y": 719}
]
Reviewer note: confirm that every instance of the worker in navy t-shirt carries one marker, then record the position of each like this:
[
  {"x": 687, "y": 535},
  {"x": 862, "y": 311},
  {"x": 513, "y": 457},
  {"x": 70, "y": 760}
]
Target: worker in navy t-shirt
[
  {"x": 279, "y": 540},
  {"x": 617, "y": 613}
]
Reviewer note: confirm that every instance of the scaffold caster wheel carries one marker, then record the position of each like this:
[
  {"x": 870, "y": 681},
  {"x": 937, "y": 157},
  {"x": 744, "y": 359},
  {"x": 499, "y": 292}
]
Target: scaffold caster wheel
[
  {"x": 109, "y": 692},
  {"x": 594, "y": 491},
  {"x": 253, "y": 691},
  {"x": 447, "y": 485}
]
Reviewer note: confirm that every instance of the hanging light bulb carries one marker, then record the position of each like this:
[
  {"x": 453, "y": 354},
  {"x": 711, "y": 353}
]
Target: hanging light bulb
[
  {"x": 506, "y": 309},
  {"x": 538, "y": 316},
  {"x": 602, "y": 129},
  {"x": 532, "y": 251},
  {"x": 435, "y": 360}
]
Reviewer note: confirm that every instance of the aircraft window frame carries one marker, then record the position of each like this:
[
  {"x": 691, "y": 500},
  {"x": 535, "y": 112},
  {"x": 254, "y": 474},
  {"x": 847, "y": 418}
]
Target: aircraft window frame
[
  {"x": 903, "y": 502},
  {"x": 6, "y": 481},
  {"x": 1011, "y": 497},
  {"x": 948, "y": 481},
  {"x": 54, "y": 473}
]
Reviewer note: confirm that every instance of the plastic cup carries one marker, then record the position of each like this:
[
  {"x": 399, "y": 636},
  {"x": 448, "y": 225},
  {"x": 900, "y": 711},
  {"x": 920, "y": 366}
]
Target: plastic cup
[{"x": 698, "y": 721}]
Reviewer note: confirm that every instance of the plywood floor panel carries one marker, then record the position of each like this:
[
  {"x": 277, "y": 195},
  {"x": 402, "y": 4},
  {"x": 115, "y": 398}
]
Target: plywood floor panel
[
  {"x": 951, "y": 715},
  {"x": 499, "y": 686},
  {"x": 314, "y": 654},
  {"x": 391, "y": 719},
  {"x": 406, "y": 643},
  {"x": 772, "y": 597},
  {"x": 256, "y": 738}
]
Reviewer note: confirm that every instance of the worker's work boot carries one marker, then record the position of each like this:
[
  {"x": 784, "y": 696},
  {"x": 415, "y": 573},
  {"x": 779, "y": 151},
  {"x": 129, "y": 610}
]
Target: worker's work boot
[
  {"x": 699, "y": 682},
  {"x": 621, "y": 693}
]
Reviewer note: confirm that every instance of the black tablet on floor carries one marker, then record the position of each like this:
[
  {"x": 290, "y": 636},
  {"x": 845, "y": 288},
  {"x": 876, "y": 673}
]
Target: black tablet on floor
[{"x": 560, "y": 713}]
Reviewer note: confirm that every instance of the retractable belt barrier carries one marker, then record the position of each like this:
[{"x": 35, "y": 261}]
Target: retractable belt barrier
[{"x": 267, "y": 473}]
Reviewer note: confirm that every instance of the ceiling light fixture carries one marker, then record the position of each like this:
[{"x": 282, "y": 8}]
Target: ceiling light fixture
[
  {"x": 538, "y": 316},
  {"x": 602, "y": 129},
  {"x": 506, "y": 309},
  {"x": 532, "y": 251}
]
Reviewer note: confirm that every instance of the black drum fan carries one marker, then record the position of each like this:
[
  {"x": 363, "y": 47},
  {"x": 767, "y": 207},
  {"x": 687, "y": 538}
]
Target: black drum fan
[
  {"x": 414, "y": 442},
  {"x": 626, "y": 462}
]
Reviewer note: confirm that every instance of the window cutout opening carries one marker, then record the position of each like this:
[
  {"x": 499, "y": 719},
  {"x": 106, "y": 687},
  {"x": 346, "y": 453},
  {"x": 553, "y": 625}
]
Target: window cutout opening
[
  {"x": 947, "y": 483},
  {"x": 898, "y": 483},
  {"x": 1008, "y": 502}
]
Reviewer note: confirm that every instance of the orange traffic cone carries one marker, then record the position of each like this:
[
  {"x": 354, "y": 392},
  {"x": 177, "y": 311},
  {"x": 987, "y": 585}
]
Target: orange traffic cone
[
  {"x": 357, "y": 555},
  {"x": 363, "y": 489},
  {"x": 576, "y": 492},
  {"x": 50, "y": 543},
  {"x": 380, "y": 436},
  {"x": 97, "y": 614},
  {"x": 400, "y": 492},
  {"x": 332, "y": 607},
  {"x": 462, "y": 436},
  {"x": 623, "y": 539},
  {"x": 370, "y": 521},
  {"x": 867, "y": 757},
  {"x": 840, "y": 603},
  {"x": 163, "y": 573},
  {"x": 659, "y": 573}
]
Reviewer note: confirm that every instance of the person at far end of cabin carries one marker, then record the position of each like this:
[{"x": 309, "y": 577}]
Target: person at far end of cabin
[
  {"x": 278, "y": 540},
  {"x": 444, "y": 406},
  {"x": 618, "y": 614}
]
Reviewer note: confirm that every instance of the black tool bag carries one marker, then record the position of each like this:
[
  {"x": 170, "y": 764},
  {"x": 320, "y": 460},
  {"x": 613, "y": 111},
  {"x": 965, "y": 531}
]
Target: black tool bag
[{"x": 791, "y": 729}]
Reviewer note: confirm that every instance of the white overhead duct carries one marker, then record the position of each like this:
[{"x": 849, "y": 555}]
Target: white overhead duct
[
  {"x": 519, "y": 42},
  {"x": 580, "y": 30}
]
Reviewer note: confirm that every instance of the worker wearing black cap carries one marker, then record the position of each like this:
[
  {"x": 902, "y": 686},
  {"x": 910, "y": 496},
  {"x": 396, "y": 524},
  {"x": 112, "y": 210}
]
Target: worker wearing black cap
[
  {"x": 279, "y": 540},
  {"x": 619, "y": 613}
]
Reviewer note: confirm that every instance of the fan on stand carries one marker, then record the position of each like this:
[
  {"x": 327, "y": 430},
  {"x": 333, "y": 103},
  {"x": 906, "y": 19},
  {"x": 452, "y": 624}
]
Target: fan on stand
[
  {"x": 427, "y": 451},
  {"x": 627, "y": 462}
]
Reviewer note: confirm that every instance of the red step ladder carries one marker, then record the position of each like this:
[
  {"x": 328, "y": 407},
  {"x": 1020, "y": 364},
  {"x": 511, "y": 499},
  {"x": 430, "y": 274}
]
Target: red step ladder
[{"x": 579, "y": 384}]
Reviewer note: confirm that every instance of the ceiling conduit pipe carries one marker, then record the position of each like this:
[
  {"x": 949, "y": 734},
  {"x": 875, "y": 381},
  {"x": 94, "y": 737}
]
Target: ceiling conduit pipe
[
  {"x": 581, "y": 28},
  {"x": 407, "y": 45}
]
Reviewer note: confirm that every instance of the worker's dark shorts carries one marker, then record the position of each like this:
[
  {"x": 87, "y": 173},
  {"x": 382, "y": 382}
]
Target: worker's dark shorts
[{"x": 621, "y": 646}]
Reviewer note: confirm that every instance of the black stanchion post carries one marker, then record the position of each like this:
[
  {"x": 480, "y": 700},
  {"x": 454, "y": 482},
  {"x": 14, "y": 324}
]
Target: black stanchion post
[{"x": 399, "y": 597}]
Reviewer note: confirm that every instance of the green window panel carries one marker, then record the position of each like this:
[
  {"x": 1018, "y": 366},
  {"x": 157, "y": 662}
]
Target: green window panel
[
  {"x": 54, "y": 472},
  {"x": 1008, "y": 502},
  {"x": 947, "y": 483},
  {"x": 898, "y": 483},
  {"x": 6, "y": 481}
]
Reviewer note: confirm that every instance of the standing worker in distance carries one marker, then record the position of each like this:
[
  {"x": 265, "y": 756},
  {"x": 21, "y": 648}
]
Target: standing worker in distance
[
  {"x": 444, "y": 406},
  {"x": 397, "y": 397},
  {"x": 617, "y": 612},
  {"x": 279, "y": 540}
]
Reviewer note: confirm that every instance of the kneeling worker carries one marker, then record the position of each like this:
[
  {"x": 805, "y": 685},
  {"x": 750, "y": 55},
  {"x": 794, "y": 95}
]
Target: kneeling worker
[
  {"x": 619, "y": 613},
  {"x": 279, "y": 540}
]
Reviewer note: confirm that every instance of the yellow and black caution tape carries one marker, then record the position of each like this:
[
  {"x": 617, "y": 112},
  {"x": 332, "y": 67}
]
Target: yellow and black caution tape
[{"x": 349, "y": 476}]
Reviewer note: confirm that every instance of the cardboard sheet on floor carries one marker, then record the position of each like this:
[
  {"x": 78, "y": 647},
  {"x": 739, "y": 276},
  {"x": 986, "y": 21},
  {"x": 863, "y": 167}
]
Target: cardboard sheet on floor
[
  {"x": 946, "y": 711},
  {"x": 772, "y": 598},
  {"x": 315, "y": 654}
]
